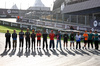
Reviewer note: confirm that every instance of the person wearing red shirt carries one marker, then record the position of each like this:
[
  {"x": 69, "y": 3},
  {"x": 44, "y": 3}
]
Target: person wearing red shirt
[
  {"x": 38, "y": 39},
  {"x": 52, "y": 35}
]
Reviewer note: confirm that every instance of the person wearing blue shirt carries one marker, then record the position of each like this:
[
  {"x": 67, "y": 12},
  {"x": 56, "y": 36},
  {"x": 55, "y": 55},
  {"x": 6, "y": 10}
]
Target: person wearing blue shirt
[
  {"x": 14, "y": 36},
  {"x": 59, "y": 39},
  {"x": 21, "y": 38}
]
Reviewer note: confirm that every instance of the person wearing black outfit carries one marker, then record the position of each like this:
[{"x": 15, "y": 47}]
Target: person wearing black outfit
[
  {"x": 14, "y": 36},
  {"x": 21, "y": 38},
  {"x": 33, "y": 35},
  {"x": 65, "y": 36},
  {"x": 72, "y": 38},
  {"x": 27, "y": 34},
  {"x": 96, "y": 40},
  {"x": 8, "y": 35},
  {"x": 45, "y": 39}
]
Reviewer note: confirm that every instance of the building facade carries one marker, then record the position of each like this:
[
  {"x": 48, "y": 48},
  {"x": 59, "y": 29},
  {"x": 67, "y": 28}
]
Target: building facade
[{"x": 85, "y": 12}]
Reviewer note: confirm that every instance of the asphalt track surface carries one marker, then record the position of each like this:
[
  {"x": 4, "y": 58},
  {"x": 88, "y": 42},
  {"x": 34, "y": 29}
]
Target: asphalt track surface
[{"x": 40, "y": 57}]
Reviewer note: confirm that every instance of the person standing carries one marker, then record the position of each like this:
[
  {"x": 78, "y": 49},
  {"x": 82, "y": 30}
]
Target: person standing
[
  {"x": 96, "y": 40},
  {"x": 85, "y": 35},
  {"x": 65, "y": 36},
  {"x": 14, "y": 36},
  {"x": 38, "y": 39},
  {"x": 33, "y": 35},
  {"x": 78, "y": 40},
  {"x": 52, "y": 35},
  {"x": 21, "y": 38},
  {"x": 90, "y": 39},
  {"x": 72, "y": 38},
  {"x": 45, "y": 39},
  {"x": 8, "y": 35},
  {"x": 58, "y": 40},
  {"x": 27, "y": 36}
]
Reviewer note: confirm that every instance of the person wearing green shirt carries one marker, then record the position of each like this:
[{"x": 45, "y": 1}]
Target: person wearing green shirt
[
  {"x": 90, "y": 39},
  {"x": 96, "y": 40}
]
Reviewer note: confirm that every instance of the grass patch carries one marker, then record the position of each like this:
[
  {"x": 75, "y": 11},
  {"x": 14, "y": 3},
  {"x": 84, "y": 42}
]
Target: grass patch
[{"x": 3, "y": 29}]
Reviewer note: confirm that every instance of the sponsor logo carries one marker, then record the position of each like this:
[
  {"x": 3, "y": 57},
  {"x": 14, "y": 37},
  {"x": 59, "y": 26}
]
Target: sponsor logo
[
  {"x": 9, "y": 11},
  {"x": 77, "y": 27},
  {"x": 14, "y": 25},
  {"x": 3, "y": 15},
  {"x": 81, "y": 28},
  {"x": 6, "y": 23},
  {"x": 95, "y": 23},
  {"x": 48, "y": 24},
  {"x": 92, "y": 29},
  {"x": 24, "y": 26}
]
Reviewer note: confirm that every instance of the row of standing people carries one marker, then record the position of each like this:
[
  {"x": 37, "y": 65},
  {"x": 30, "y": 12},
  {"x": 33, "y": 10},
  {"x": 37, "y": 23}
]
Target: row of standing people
[{"x": 88, "y": 38}]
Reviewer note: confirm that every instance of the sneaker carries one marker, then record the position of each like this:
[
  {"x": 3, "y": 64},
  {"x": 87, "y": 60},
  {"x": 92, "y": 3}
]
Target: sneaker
[
  {"x": 85, "y": 48},
  {"x": 82, "y": 47}
]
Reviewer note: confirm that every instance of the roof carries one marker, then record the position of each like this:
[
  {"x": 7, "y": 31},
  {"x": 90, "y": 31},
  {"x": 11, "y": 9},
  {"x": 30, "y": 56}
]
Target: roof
[
  {"x": 14, "y": 7},
  {"x": 38, "y": 3},
  {"x": 90, "y": 4}
]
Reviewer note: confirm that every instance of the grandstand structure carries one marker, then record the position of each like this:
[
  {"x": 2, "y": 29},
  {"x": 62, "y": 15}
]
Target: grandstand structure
[{"x": 78, "y": 12}]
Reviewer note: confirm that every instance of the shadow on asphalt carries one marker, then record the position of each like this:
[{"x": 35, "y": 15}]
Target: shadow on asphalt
[
  {"x": 33, "y": 53},
  {"x": 39, "y": 52},
  {"x": 54, "y": 52},
  {"x": 95, "y": 52},
  {"x": 62, "y": 52},
  {"x": 12, "y": 52},
  {"x": 47, "y": 52},
  {"x": 5, "y": 52},
  {"x": 84, "y": 52},
  {"x": 20, "y": 52},
  {"x": 27, "y": 52},
  {"x": 69, "y": 52}
]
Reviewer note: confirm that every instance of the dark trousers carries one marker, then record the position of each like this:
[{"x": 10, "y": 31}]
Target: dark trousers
[
  {"x": 28, "y": 42},
  {"x": 52, "y": 43},
  {"x": 8, "y": 43},
  {"x": 45, "y": 41},
  {"x": 96, "y": 45},
  {"x": 14, "y": 44},
  {"x": 33, "y": 41},
  {"x": 21, "y": 41},
  {"x": 78, "y": 43},
  {"x": 90, "y": 42}
]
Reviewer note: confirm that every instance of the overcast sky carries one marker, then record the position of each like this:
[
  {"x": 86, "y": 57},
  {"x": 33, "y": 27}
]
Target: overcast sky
[{"x": 24, "y": 3}]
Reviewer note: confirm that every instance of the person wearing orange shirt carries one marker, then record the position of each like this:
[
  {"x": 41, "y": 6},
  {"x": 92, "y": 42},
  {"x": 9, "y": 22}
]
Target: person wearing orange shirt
[
  {"x": 38, "y": 39},
  {"x": 85, "y": 35}
]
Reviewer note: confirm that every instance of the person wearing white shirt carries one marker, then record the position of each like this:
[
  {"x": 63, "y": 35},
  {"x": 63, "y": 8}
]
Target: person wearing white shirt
[{"x": 78, "y": 40}]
